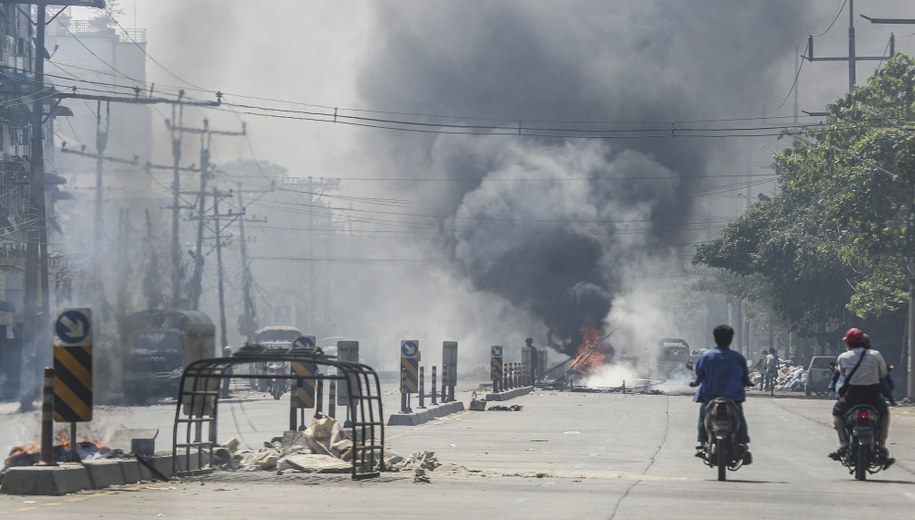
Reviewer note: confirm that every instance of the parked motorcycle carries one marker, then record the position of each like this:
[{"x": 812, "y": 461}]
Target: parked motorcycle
[
  {"x": 277, "y": 384},
  {"x": 864, "y": 455},
  {"x": 722, "y": 418}
]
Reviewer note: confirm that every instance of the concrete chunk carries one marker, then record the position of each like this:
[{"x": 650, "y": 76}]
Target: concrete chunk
[{"x": 314, "y": 463}]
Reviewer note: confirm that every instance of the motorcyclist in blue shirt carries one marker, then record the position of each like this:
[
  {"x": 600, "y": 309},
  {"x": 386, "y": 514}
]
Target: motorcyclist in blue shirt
[{"x": 722, "y": 372}]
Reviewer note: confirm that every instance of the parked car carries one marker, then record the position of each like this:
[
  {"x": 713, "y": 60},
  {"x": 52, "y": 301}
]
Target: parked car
[{"x": 819, "y": 374}]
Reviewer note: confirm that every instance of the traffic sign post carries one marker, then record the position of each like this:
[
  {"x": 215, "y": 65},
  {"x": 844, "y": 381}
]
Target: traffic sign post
[
  {"x": 449, "y": 368},
  {"x": 409, "y": 370},
  {"x": 304, "y": 342},
  {"x": 495, "y": 367},
  {"x": 72, "y": 338}
]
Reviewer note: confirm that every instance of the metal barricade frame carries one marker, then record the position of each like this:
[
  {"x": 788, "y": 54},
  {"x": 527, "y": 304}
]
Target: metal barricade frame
[{"x": 197, "y": 408}]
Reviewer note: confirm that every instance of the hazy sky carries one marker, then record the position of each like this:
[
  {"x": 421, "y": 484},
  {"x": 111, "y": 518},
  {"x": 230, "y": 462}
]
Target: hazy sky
[{"x": 513, "y": 60}]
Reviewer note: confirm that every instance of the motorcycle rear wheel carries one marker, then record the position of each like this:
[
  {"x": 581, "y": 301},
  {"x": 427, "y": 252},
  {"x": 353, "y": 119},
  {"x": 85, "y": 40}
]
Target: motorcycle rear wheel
[
  {"x": 722, "y": 457},
  {"x": 861, "y": 462}
]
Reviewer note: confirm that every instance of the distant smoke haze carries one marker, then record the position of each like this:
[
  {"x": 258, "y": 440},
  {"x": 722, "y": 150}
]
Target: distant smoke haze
[
  {"x": 508, "y": 258},
  {"x": 566, "y": 248}
]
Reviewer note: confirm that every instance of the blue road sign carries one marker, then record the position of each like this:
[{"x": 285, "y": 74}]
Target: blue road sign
[
  {"x": 409, "y": 348},
  {"x": 496, "y": 350},
  {"x": 73, "y": 328},
  {"x": 304, "y": 342}
]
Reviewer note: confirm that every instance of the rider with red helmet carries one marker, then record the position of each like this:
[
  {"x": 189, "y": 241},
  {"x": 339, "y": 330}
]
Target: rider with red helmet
[{"x": 862, "y": 388}]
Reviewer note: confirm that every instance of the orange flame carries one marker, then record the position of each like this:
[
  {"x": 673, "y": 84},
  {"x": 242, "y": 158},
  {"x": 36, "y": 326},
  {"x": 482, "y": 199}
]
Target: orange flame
[{"x": 589, "y": 357}]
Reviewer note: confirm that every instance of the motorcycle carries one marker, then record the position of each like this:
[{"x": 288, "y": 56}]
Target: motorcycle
[
  {"x": 722, "y": 418},
  {"x": 864, "y": 455},
  {"x": 276, "y": 385}
]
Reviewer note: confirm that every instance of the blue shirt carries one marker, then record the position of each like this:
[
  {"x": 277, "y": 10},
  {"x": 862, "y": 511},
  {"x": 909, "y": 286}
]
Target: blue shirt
[{"x": 720, "y": 372}]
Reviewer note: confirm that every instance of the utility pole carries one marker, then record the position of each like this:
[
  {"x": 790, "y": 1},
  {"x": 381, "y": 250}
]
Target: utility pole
[
  {"x": 247, "y": 323},
  {"x": 852, "y": 57},
  {"x": 219, "y": 271},
  {"x": 313, "y": 190},
  {"x": 98, "y": 297},
  {"x": 219, "y": 228},
  {"x": 176, "y": 201},
  {"x": 176, "y": 208},
  {"x": 197, "y": 280},
  {"x": 205, "y": 138},
  {"x": 36, "y": 310}
]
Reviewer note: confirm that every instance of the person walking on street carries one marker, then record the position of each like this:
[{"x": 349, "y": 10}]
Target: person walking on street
[{"x": 771, "y": 370}]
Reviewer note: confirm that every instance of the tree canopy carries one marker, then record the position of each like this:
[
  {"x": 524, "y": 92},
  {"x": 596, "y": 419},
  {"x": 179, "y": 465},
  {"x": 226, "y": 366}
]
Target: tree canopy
[{"x": 838, "y": 236}]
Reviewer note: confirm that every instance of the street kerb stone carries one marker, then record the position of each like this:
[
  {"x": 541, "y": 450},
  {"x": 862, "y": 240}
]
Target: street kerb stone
[
  {"x": 46, "y": 480},
  {"x": 104, "y": 472}
]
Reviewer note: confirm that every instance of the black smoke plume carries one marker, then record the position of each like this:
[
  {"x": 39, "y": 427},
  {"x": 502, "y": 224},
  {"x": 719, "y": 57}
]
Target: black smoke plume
[{"x": 552, "y": 224}]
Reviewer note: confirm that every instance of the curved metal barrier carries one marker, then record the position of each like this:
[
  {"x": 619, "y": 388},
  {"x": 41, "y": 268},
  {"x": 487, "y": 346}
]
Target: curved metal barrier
[{"x": 197, "y": 413}]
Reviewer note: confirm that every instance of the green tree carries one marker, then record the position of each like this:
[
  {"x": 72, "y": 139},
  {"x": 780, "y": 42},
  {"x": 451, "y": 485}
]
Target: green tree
[{"x": 838, "y": 237}]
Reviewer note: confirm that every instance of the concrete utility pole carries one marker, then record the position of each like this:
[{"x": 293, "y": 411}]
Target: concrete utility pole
[
  {"x": 219, "y": 228},
  {"x": 36, "y": 313},
  {"x": 313, "y": 189},
  {"x": 852, "y": 57},
  {"x": 176, "y": 201},
  {"x": 205, "y": 138},
  {"x": 223, "y": 335},
  {"x": 247, "y": 324}
]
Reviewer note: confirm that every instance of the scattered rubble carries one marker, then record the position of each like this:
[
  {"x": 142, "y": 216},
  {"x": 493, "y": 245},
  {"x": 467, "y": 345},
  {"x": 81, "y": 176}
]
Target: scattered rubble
[
  {"x": 323, "y": 447},
  {"x": 424, "y": 460},
  {"x": 500, "y": 408}
]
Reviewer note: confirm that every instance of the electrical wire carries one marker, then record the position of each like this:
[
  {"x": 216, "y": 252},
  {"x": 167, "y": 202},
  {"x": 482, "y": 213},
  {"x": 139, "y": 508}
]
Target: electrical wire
[{"x": 834, "y": 19}]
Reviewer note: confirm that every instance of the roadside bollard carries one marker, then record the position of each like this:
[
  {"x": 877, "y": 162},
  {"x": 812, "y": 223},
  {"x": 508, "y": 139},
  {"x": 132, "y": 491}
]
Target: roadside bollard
[
  {"x": 434, "y": 396},
  {"x": 332, "y": 398},
  {"x": 624, "y": 386},
  {"x": 403, "y": 394},
  {"x": 319, "y": 395},
  {"x": 47, "y": 419},
  {"x": 422, "y": 388},
  {"x": 444, "y": 371}
]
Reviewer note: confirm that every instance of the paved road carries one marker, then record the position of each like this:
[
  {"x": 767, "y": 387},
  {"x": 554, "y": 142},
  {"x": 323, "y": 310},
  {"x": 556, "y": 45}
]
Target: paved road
[{"x": 564, "y": 455}]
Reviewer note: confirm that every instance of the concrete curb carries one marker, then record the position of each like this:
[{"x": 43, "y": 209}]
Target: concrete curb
[
  {"x": 423, "y": 416},
  {"x": 509, "y": 394},
  {"x": 91, "y": 474}
]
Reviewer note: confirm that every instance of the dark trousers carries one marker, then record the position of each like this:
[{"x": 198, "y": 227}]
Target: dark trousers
[{"x": 743, "y": 435}]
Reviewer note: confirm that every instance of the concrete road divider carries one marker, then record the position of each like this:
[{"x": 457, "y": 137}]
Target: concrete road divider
[
  {"x": 423, "y": 416},
  {"x": 509, "y": 394},
  {"x": 90, "y": 474}
]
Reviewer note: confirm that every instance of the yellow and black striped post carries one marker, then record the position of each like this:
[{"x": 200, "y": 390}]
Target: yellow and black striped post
[
  {"x": 72, "y": 384},
  {"x": 409, "y": 362},
  {"x": 304, "y": 391},
  {"x": 495, "y": 367},
  {"x": 409, "y": 369}
]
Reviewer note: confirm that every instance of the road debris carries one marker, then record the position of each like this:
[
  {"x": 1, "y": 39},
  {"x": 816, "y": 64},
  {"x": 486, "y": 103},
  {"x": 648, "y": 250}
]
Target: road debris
[
  {"x": 323, "y": 447},
  {"x": 500, "y": 408}
]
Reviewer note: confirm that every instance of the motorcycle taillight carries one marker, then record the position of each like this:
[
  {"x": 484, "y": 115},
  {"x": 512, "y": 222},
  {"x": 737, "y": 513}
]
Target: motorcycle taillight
[{"x": 863, "y": 415}]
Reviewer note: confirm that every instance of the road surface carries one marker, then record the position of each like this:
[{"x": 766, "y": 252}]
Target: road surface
[{"x": 564, "y": 455}]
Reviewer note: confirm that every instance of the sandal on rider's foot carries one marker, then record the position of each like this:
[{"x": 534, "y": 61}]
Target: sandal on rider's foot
[
  {"x": 888, "y": 462},
  {"x": 839, "y": 453}
]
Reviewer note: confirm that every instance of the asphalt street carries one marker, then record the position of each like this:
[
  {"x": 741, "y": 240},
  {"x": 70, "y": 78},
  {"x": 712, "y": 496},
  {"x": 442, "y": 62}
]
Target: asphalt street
[{"x": 563, "y": 455}]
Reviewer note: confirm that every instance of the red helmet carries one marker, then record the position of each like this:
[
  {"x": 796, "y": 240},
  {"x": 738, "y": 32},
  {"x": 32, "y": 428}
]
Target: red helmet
[{"x": 854, "y": 336}]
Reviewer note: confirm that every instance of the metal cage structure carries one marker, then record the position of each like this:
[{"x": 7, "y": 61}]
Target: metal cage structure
[{"x": 197, "y": 411}]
